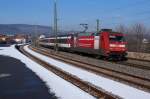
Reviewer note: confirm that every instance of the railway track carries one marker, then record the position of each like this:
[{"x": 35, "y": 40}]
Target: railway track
[
  {"x": 138, "y": 82},
  {"x": 138, "y": 59},
  {"x": 85, "y": 86},
  {"x": 132, "y": 62},
  {"x": 136, "y": 63}
]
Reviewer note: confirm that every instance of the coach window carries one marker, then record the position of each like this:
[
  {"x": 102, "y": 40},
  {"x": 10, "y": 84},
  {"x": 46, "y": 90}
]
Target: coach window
[
  {"x": 62, "y": 40},
  {"x": 52, "y": 40}
]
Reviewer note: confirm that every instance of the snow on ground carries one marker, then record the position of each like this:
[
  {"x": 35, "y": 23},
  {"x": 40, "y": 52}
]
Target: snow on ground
[
  {"x": 60, "y": 87},
  {"x": 114, "y": 87}
]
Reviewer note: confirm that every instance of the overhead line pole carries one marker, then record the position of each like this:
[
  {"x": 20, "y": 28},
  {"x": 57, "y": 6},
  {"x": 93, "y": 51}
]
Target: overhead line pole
[
  {"x": 55, "y": 25},
  {"x": 98, "y": 25}
]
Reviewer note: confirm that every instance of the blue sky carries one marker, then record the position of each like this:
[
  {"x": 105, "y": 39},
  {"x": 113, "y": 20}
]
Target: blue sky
[{"x": 73, "y": 12}]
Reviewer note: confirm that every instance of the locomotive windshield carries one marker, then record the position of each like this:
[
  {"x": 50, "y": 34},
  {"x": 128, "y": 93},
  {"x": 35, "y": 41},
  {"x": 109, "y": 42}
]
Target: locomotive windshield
[{"x": 114, "y": 38}]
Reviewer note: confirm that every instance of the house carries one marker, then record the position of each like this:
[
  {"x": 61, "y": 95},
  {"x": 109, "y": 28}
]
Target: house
[
  {"x": 3, "y": 38},
  {"x": 20, "y": 38}
]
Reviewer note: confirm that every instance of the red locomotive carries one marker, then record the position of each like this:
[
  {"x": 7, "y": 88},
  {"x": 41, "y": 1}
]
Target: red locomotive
[{"x": 108, "y": 44}]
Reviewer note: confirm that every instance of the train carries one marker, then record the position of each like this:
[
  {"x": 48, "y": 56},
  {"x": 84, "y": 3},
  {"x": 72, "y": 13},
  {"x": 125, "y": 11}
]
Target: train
[{"x": 106, "y": 44}]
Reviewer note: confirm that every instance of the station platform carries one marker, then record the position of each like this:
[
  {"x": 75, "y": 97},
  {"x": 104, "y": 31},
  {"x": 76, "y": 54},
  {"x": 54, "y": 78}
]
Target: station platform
[{"x": 18, "y": 82}]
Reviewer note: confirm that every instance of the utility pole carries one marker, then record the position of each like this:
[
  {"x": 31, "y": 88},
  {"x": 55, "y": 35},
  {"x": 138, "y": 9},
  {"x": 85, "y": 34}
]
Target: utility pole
[
  {"x": 55, "y": 25},
  {"x": 35, "y": 35},
  {"x": 97, "y": 25}
]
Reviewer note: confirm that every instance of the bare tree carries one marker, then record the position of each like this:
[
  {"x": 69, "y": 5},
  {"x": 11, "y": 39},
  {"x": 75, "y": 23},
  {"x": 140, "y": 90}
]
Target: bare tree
[
  {"x": 147, "y": 45},
  {"x": 139, "y": 30},
  {"x": 121, "y": 28}
]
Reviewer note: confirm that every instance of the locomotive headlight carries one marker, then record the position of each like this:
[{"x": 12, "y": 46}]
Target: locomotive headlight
[
  {"x": 112, "y": 45},
  {"x": 117, "y": 45},
  {"x": 122, "y": 46}
]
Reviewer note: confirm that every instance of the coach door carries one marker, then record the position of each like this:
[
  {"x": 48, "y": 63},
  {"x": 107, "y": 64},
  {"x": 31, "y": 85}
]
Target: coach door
[{"x": 96, "y": 42}]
